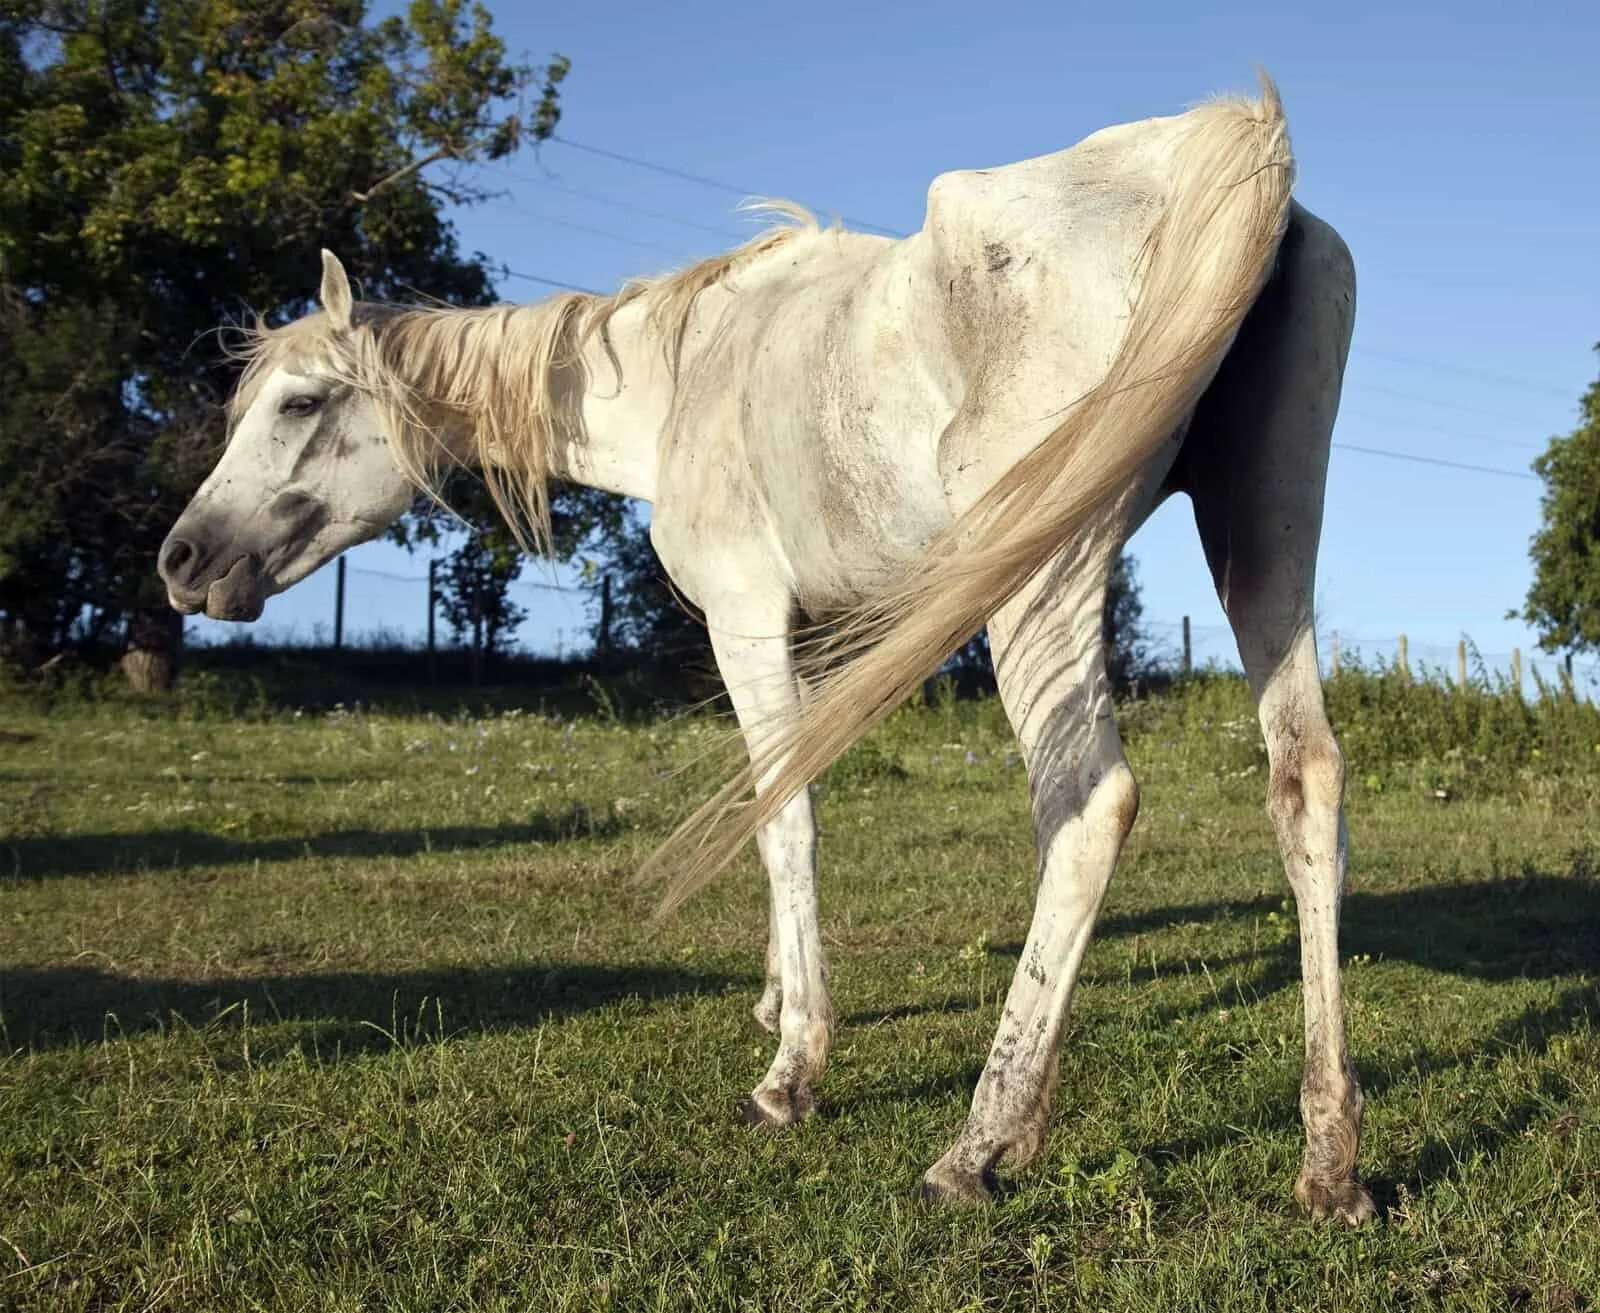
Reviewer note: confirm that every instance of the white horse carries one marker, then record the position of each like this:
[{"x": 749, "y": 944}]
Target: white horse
[{"x": 912, "y": 438}]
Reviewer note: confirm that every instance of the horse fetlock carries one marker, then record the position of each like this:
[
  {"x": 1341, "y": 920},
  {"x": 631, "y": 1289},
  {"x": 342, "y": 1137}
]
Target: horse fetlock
[{"x": 1324, "y": 1200}]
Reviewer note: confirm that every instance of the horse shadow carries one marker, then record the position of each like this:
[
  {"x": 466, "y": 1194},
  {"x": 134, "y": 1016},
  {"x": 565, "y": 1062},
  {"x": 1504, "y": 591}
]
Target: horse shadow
[
  {"x": 1526, "y": 927},
  {"x": 46, "y": 856},
  {"x": 343, "y": 1014}
]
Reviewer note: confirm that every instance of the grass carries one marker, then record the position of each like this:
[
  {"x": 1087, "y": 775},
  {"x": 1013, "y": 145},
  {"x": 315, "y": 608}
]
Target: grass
[{"x": 345, "y": 1010}]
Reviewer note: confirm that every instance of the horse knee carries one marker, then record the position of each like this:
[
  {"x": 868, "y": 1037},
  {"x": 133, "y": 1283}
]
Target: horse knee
[
  {"x": 1094, "y": 811},
  {"x": 1116, "y": 798},
  {"x": 1307, "y": 778}
]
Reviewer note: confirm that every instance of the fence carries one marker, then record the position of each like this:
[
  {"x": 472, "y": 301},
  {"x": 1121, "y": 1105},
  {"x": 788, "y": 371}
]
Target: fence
[
  {"x": 386, "y": 609},
  {"x": 1189, "y": 647}
]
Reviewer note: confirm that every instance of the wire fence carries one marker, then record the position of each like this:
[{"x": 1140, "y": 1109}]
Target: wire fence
[
  {"x": 388, "y": 609},
  {"x": 1461, "y": 662}
]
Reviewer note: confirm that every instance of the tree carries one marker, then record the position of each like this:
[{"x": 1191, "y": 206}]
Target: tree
[
  {"x": 474, "y": 593},
  {"x": 647, "y": 615},
  {"x": 1563, "y": 602},
  {"x": 1127, "y": 651},
  {"x": 162, "y": 166}
]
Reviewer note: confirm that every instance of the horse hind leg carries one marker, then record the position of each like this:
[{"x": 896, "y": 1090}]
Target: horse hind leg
[
  {"x": 1255, "y": 463},
  {"x": 1049, "y": 662}
]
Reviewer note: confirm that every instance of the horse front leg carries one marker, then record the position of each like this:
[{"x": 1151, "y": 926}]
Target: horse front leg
[{"x": 760, "y": 677}]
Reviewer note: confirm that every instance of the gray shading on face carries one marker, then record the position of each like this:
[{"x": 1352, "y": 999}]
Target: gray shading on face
[{"x": 306, "y": 474}]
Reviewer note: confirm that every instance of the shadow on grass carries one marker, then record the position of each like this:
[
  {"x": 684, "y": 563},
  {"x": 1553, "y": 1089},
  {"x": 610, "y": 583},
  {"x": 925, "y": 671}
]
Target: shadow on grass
[
  {"x": 1528, "y": 926},
  {"x": 41, "y": 857},
  {"x": 1533, "y": 927},
  {"x": 349, "y": 1012}
]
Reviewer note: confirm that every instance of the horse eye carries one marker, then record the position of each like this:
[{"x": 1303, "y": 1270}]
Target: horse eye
[{"x": 303, "y": 405}]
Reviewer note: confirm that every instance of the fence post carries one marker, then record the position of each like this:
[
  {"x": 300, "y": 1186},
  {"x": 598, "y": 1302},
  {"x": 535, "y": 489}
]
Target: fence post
[
  {"x": 602, "y": 638},
  {"x": 1405, "y": 662},
  {"x": 1461, "y": 664},
  {"x": 433, "y": 595},
  {"x": 1188, "y": 649},
  {"x": 338, "y": 607},
  {"x": 1516, "y": 670},
  {"x": 477, "y": 632},
  {"x": 1333, "y": 651}
]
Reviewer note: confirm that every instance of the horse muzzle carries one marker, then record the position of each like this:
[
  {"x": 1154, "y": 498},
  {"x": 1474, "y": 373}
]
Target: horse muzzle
[{"x": 240, "y": 594}]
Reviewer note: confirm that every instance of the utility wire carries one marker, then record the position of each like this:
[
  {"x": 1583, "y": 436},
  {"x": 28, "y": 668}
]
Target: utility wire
[
  {"x": 1466, "y": 371},
  {"x": 1442, "y": 402},
  {"x": 422, "y": 579},
  {"x": 551, "y": 282},
  {"x": 1404, "y": 425},
  {"x": 588, "y": 228},
  {"x": 699, "y": 179},
  {"x": 627, "y": 206},
  {"x": 666, "y": 170},
  {"x": 1436, "y": 460},
  {"x": 1348, "y": 446}
]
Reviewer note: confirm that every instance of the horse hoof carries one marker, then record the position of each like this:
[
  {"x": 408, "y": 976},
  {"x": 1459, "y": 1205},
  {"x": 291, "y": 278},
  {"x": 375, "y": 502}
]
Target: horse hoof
[
  {"x": 1335, "y": 1201},
  {"x": 947, "y": 1186},
  {"x": 777, "y": 1109}
]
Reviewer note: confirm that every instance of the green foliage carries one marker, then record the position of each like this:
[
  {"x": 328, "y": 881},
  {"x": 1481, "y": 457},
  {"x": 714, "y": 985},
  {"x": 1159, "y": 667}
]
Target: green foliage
[
  {"x": 648, "y": 615},
  {"x": 1563, "y": 602},
  {"x": 474, "y": 591},
  {"x": 162, "y": 168},
  {"x": 1420, "y": 737}
]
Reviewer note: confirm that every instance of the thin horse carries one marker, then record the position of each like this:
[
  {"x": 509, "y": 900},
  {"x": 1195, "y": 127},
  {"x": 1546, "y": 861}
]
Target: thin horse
[{"x": 915, "y": 438}]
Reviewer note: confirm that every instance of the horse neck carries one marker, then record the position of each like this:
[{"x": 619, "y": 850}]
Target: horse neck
[
  {"x": 594, "y": 425},
  {"x": 627, "y": 393}
]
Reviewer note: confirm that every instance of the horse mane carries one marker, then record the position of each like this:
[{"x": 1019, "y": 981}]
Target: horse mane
[{"x": 510, "y": 375}]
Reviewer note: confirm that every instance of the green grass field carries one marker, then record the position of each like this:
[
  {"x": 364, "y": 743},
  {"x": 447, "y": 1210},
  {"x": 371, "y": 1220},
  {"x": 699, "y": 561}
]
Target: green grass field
[{"x": 361, "y": 1011}]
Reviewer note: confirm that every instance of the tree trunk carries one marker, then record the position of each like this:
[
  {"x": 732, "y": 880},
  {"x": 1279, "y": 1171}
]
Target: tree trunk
[{"x": 155, "y": 637}]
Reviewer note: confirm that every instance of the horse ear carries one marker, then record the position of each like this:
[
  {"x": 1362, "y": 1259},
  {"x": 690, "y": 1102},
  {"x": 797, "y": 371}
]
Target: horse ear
[{"x": 336, "y": 298}]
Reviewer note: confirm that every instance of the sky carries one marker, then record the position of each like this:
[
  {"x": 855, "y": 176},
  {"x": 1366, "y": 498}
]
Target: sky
[{"x": 1454, "y": 147}]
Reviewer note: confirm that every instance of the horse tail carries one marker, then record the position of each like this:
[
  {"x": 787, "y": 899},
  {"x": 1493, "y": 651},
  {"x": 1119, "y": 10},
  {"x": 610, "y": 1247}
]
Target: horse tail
[{"x": 1201, "y": 268}]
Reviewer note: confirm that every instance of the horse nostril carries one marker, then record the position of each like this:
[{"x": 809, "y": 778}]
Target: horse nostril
[{"x": 178, "y": 554}]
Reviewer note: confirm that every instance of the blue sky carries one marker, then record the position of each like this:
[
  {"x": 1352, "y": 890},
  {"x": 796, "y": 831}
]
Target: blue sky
[{"x": 1452, "y": 145}]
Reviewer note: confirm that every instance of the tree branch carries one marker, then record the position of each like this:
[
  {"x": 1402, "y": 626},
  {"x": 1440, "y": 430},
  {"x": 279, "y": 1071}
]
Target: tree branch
[{"x": 405, "y": 171}]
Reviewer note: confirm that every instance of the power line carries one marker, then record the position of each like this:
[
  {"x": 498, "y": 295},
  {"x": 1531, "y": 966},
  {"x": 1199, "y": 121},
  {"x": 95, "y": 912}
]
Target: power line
[
  {"x": 1442, "y": 402},
  {"x": 1448, "y": 430},
  {"x": 1347, "y": 446},
  {"x": 699, "y": 179},
  {"x": 1436, "y": 460},
  {"x": 590, "y": 229},
  {"x": 422, "y": 579},
  {"x": 552, "y": 282},
  {"x": 1467, "y": 371},
  {"x": 627, "y": 206},
  {"x": 384, "y": 574}
]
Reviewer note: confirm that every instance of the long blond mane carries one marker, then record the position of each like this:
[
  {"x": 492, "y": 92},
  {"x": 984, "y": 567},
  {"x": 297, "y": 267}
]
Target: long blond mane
[{"x": 506, "y": 377}]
